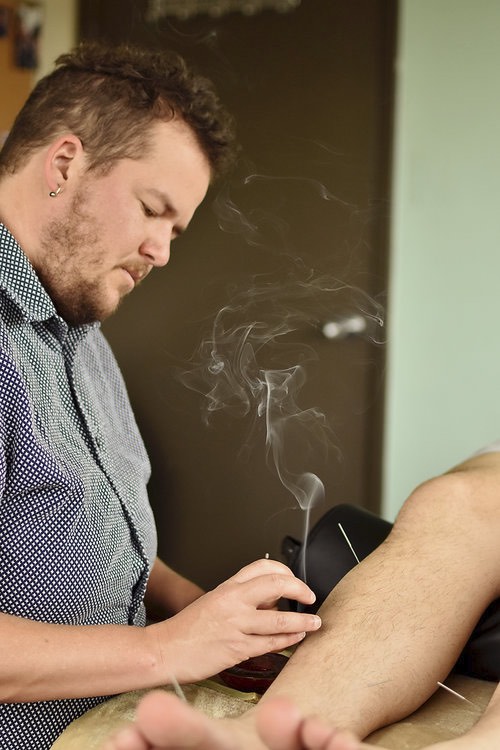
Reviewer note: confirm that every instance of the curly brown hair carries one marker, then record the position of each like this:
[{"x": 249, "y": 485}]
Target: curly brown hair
[{"x": 109, "y": 97}]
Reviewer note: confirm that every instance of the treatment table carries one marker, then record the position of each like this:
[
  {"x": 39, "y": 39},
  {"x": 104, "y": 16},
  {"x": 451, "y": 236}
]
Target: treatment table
[{"x": 444, "y": 716}]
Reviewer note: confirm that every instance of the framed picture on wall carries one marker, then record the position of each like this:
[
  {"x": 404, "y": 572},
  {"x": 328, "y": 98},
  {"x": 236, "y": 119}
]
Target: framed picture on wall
[{"x": 29, "y": 16}]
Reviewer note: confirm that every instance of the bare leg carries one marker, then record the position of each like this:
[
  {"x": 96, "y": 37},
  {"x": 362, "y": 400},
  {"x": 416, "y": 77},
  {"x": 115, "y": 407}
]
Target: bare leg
[{"x": 378, "y": 655}]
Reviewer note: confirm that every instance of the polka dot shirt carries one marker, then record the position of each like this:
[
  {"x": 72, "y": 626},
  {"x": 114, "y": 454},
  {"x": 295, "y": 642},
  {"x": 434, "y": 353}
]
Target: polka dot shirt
[{"x": 77, "y": 536}]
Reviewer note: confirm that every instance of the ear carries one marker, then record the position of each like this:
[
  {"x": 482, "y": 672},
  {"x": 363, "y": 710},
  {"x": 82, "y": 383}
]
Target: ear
[{"x": 64, "y": 159}]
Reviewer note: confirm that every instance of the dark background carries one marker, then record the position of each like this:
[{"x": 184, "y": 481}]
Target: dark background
[{"x": 312, "y": 92}]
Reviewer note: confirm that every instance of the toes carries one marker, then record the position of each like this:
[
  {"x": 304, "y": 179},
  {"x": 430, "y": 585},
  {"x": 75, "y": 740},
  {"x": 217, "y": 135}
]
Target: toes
[
  {"x": 316, "y": 733},
  {"x": 281, "y": 726},
  {"x": 344, "y": 741},
  {"x": 168, "y": 723},
  {"x": 278, "y": 723},
  {"x": 127, "y": 739}
]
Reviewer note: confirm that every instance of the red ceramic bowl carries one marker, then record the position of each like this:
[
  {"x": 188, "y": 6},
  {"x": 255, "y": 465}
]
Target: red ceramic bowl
[{"x": 254, "y": 675}]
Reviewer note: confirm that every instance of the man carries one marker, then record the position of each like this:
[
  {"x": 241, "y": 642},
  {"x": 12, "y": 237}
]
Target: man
[
  {"x": 103, "y": 168},
  {"x": 392, "y": 628}
]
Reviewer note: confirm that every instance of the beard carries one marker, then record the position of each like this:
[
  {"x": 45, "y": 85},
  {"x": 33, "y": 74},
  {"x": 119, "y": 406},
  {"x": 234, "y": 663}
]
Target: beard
[{"x": 71, "y": 266}]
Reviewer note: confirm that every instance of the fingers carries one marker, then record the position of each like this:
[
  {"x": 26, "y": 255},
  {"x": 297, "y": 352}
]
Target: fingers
[
  {"x": 266, "y": 644},
  {"x": 276, "y": 631},
  {"x": 265, "y": 590},
  {"x": 269, "y": 622},
  {"x": 282, "y": 583},
  {"x": 260, "y": 567},
  {"x": 264, "y": 582}
]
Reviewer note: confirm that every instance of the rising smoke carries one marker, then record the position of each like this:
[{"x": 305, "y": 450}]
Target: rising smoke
[{"x": 251, "y": 365}]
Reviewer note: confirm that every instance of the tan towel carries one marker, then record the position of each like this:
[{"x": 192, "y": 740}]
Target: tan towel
[
  {"x": 442, "y": 717},
  {"x": 90, "y": 730}
]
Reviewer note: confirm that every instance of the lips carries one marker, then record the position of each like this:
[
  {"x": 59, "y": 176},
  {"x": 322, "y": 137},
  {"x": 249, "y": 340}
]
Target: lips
[{"x": 137, "y": 274}]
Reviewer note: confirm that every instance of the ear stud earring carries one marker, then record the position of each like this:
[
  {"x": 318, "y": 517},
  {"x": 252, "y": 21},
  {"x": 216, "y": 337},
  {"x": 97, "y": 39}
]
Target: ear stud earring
[{"x": 55, "y": 193}]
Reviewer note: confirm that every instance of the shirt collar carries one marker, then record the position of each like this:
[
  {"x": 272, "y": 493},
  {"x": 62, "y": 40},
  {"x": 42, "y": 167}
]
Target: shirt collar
[{"x": 23, "y": 287}]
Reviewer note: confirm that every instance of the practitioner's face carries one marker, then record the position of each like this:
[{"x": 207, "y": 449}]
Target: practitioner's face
[{"x": 116, "y": 227}]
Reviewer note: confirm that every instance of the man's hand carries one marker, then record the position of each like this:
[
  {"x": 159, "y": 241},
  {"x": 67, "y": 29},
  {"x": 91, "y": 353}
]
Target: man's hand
[{"x": 234, "y": 622}]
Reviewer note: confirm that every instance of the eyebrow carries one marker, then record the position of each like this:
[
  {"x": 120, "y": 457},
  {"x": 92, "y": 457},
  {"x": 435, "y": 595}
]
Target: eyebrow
[{"x": 163, "y": 197}]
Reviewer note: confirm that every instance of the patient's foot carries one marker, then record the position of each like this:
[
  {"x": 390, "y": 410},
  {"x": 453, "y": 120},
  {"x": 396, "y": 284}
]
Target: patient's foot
[
  {"x": 315, "y": 734},
  {"x": 281, "y": 726},
  {"x": 163, "y": 722}
]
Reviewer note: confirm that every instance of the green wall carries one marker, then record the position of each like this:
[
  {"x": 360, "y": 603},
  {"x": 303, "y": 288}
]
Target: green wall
[{"x": 443, "y": 390}]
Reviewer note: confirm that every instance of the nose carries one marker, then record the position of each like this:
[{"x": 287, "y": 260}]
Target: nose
[{"x": 156, "y": 249}]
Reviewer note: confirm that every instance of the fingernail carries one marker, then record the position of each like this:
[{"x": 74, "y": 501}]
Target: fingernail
[{"x": 316, "y": 621}]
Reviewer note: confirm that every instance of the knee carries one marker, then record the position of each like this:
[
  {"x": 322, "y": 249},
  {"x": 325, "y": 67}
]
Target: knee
[
  {"x": 459, "y": 498},
  {"x": 459, "y": 511}
]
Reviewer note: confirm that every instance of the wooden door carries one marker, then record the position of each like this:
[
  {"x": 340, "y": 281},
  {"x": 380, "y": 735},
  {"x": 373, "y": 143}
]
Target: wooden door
[{"x": 312, "y": 93}]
